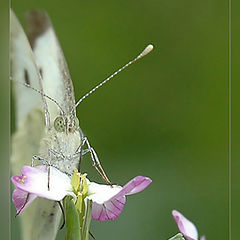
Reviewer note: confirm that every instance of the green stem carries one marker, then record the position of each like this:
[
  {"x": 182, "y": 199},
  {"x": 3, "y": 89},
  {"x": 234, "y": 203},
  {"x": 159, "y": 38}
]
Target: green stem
[
  {"x": 178, "y": 236},
  {"x": 72, "y": 220},
  {"x": 87, "y": 220}
]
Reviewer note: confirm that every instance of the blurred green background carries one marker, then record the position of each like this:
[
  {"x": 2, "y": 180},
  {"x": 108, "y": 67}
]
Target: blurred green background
[
  {"x": 4, "y": 122},
  {"x": 235, "y": 120},
  {"x": 166, "y": 117}
]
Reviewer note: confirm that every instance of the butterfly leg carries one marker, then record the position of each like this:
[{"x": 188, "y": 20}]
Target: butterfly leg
[
  {"x": 42, "y": 160},
  {"x": 25, "y": 202},
  {"x": 56, "y": 154},
  {"x": 48, "y": 167},
  {"x": 50, "y": 153},
  {"x": 62, "y": 209},
  {"x": 96, "y": 163},
  {"x": 32, "y": 162},
  {"x": 48, "y": 184}
]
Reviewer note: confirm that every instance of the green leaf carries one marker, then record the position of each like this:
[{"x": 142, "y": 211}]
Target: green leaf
[
  {"x": 178, "y": 236},
  {"x": 87, "y": 220},
  {"x": 72, "y": 220}
]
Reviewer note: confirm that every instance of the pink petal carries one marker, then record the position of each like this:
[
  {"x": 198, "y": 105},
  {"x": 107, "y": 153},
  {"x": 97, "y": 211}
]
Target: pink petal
[
  {"x": 135, "y": 185},
  {"x": 35, "y": 180},
  {"x": 111, "y": 208},
  {"x": 22, "y": 200},
  {"x": 186, "y": 227}
]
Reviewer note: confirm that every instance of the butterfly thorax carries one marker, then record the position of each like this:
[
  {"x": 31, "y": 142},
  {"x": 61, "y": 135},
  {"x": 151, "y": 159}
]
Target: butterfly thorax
[{"x": 61, "y": 143}]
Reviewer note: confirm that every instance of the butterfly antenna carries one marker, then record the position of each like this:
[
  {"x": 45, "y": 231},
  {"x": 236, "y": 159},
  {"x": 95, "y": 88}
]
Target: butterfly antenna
[
  {"x": 40, "y": 92},
  {"x": 147, "y": 50}
]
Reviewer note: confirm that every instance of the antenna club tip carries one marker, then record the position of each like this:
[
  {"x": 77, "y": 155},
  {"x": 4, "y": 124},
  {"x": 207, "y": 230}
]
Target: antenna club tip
[
  {"x": 150, "y": 47},
  {"x": 147, "y": 50}
]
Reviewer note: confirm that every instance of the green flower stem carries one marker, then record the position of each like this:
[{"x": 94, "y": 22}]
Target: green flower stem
[
  {"x": 87, "y": 220},
  {"x": 78, "y": 211},
  {"x": 178, "y": 236},
  {"x": 72, "y": 220}
]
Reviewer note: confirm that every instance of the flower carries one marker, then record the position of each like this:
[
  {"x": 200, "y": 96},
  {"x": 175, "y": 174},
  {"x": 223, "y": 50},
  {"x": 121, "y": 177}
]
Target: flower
[
  {"x": 107, "y": 201},
  {"x": 34, "y": 183},
  {"x": 187, "y": 228}
]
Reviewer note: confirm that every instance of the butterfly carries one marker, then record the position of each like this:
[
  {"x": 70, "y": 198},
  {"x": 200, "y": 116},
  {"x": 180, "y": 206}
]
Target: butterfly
[
  {"x": 39, "y": 63},
  {"x": 47, "y": 127}
]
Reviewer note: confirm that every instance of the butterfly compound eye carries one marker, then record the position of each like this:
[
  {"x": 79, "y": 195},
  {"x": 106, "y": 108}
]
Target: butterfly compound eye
[{"x": 59, "y": 124}]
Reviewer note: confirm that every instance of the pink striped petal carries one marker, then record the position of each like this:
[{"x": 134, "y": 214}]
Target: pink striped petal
[
  {"x": 108, "y": 201},
  {"x": 186, "y": 227},
  {"x": 22, "y": 200}
]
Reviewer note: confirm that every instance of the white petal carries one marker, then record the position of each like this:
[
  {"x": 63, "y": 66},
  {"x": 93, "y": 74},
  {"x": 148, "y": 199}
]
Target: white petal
[{"x": 101, "y": 193}]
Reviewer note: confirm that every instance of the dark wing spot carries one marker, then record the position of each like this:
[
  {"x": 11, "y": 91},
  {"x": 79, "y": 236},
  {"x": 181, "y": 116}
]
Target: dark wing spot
[
  {"x": 38, "y": 23},
  {"x": 51, "y": 217},
  {"x": 44, "y": 213},
  {"x": 41, "y": 72},
  {"x": 26, "y": 77}
]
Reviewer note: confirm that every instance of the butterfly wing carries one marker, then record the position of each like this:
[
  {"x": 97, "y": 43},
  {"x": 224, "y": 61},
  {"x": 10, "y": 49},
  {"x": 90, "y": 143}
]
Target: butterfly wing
[
  {"x": 24, "y": 71},
  {"x": 57, "y": 82},
  {"x": 41, "y": 220}
]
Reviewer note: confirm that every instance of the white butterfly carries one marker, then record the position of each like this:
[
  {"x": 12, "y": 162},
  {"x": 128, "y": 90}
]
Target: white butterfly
[
  {"x": 46, "y": 69},
  {"x": 39, "y": 63},
  {"x": 47, "y": 125}
]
